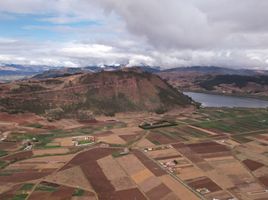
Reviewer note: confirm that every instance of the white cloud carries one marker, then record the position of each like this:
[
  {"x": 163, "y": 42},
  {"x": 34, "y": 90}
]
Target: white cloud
[{"x": 169, "y": 33}]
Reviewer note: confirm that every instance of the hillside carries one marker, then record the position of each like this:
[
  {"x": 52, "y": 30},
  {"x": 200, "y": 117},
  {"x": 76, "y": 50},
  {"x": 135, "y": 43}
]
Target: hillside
[
  {"x": 218, "y": 80},
  {"x": 235, "y": 84},
  {"x": 102, "y": 93}
]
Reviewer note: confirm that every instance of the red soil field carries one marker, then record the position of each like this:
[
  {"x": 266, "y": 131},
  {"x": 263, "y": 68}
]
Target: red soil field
[
  {"x": 264, "y": 180},
  {"x": 160, "y": 138},
  {"x": 18, "y": 156},
  {"x": 61, "y": 193},
  {"x": 152, "y": 166},
  {"x": 215, "y": 155},
  {"x": 7, "y": 145},
  {"x": 129, "y": 138},
  {"x": 24, "y": 175},
  {"x": 188, "y": 153},
  {"x": 10, "y": 193},
  {"x": 158, "y": 192},
  {"x": 252, "y": 165},
  {"x": 203, "y": 182},
  {"x": 167, "y": 157},
  {"x": 105, "y": 133},
  {"x": 207, "y": 147},
  {"x": 98, "y": 180},
  {"x": 88, "y": 162},
  {"x": 20, "y": 118},
  {"x": 131, "y": 194},
  {"x": 89, "y": 156}
]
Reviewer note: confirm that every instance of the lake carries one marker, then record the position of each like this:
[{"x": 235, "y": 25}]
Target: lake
[{"x": 213, "y": 100}]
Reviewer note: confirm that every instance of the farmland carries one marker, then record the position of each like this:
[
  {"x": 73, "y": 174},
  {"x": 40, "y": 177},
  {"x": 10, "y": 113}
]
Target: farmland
[{"x": 206, "y": 154}]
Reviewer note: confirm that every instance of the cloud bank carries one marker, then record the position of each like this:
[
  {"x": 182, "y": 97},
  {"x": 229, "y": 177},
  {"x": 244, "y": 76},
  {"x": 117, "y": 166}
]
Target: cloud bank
[{"x": 169, "y": 33}]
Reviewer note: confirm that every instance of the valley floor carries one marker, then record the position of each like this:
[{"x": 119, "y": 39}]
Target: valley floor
[{"x": 210, "y": 154}]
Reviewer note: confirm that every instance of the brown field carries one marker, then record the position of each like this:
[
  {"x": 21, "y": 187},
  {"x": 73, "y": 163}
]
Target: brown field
[
  {"x": 142, "y": 175},
  {"x": 46, "y": 162},
  {"x": 181, "y": 191},
  {"x": 149, "y": 183},
  {"x": 158, "y": 192},
  {"x": 189, "y": 172},
  {"x": 115, "y": 174},
  {"x": 131, "y": 194},
  {"x": 207, "y": 147},
  {"x": 131, "y": 164},
  {"x": 24, "y": 175},
  {"x": 8, "y": 146},
  {"x": 152, "y": 166},
  {"x": 264, "y": 180},
  {"x": 144, "y": 143},
  {"x": 252, "y": 165},
  {"x": 156, "y": 137},
  {"x": 52, "y": 151},
  {"x": 66, "y": 177},
  {"x": 222, "y": 195},
  {"x": 111, "y": 139},
  {"x": 10, "y": 193},
  {"x": 203, "y": 130},
  {"x": 94, "y": 166},
  {"x": 129, "y": 138},
  {"x": 61, "y": 192},
  {"x": 105, "y": 133},
  {"x": 188, "y": 153},
  {"x": 203, "y": 182},
  {"x": 163, "y": 153},
  {"x": 21, "y": 118},
  {"x": 18, "y": 156}
]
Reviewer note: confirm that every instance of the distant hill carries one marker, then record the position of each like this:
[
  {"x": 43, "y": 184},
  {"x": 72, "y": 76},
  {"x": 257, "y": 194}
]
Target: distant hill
[
  {"x": 54, "y": 73},
  {"x": 106, "y": 92},
  {"x": 215, "y": 70}
]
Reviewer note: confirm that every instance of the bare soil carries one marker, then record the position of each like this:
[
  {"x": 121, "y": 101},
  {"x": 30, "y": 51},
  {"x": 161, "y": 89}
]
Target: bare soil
[
  {"x": 152, "y": 166},
  {"x": 252, "y": 165},
  {"x": 204, "y": 182}
]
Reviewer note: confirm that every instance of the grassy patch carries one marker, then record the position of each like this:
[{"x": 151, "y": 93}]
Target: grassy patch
[
  {"x": 20, "y": 197},
  {"x": 117, "y": 154},
  {"x": 51, "y": 147},
  {"x": 35, "y": 125},
  {"x": 78, "y": 192},
  {"x": 2, "y": 153},
  {"x": 27, "y": 187},
  {"x": 84, "y": 142},
  {"x": 2, "y": 164},
  {"x": 46, "y": 188},
  {"x": 241, "y": 139}
]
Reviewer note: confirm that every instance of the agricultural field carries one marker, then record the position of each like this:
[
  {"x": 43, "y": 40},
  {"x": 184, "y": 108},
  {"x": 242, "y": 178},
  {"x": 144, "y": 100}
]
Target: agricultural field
[{"x": 207, "y": 154}]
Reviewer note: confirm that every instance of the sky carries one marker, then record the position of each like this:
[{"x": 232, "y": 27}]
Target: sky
[{"x": 166, "y": 33}]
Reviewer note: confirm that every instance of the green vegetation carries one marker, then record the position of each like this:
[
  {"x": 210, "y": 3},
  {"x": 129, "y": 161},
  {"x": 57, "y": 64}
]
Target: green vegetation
[
  {"x": 3, "y": 164},
  {"x": 156, "y": 142},
  {"x": 46, "y": 188},
  {"x": 27, "y": 187},
  {"x": 78, "y": 192},
  {"x": 158, "y": 124},
  {"x": 20, "y": 197},
  {"x": 35, "y": 125},
  {"x": 84, "y": 142},
  {"x": 239, "y": 124},
  {"x": 237, "y": 80},
  {"x": 117, "y": 154},
  {"x": 2, "y": 153}
]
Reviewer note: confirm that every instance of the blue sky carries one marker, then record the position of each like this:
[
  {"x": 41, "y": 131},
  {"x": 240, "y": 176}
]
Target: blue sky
[{"x": 169, "y": 33}]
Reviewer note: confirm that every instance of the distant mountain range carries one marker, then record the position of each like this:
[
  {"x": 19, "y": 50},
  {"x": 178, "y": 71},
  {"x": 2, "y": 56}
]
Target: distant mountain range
[
  {"x": 14, "y": 72},
  {"x": 216, "y": 70}
]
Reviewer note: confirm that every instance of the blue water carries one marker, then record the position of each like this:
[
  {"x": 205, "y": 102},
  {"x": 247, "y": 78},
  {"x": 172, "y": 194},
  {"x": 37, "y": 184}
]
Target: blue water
[{"x": 212, "y": 100}]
